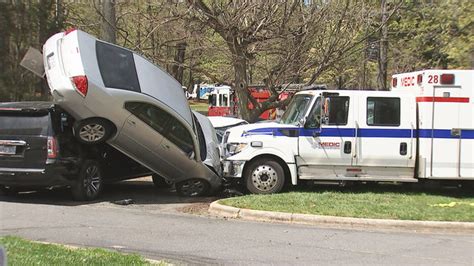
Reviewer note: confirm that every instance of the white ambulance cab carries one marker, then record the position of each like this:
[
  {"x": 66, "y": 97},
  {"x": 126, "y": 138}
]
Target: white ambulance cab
[{"x": 422, "y": 129}]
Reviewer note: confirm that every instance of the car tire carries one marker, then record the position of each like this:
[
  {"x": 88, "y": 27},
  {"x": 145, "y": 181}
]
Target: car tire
[
  {"x": 8, "y": 191},
  {"x": 192, "y": 188},
  {"x": 93, "y": 130},
  {"x": 161, "y": 182},
  {"x": 89, "y": 182},
  {"x": 264, "y": 176}
]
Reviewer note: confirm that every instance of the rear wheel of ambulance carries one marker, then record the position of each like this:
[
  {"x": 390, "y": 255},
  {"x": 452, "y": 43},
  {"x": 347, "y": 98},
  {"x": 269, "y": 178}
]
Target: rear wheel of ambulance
[
  {"x": 264, "y": 176},
  {"x": 89, "y": 182},
  {"x": 93, "y": 130}
]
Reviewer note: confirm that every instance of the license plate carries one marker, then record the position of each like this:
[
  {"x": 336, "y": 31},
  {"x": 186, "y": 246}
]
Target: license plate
[{"x": 7, "y": 150}]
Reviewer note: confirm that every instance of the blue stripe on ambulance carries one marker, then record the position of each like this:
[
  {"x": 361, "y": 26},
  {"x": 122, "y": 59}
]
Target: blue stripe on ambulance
[{"x": 364, "y": 132}]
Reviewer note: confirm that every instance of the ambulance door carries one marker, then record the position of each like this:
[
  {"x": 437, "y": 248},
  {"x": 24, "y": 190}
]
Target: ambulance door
[
  {"x": 326, "y": 142},
  {"x": 447, "y": 145},
  {"x": 386, "y": 144}
]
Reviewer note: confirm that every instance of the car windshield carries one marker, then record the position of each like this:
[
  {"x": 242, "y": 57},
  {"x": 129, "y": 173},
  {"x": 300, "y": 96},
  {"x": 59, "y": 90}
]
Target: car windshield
[{"x": 296, "y": 109}]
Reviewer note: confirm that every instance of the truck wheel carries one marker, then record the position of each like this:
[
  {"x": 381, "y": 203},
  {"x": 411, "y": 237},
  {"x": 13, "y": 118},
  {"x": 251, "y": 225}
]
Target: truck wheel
[
  {"x": 89, "y": 182},
  {"x": 161, "y": 182},
  {"x": 264, "y": 176},
  {"x": 92, "y": 131},
  {"x": 192, "y": 188}
]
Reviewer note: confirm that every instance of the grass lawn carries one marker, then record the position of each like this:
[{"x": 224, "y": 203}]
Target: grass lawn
[
  {"x": 201, "y": 107},
  {"x": 23, "y": 252},
  {"x": 382, "y": 201}
]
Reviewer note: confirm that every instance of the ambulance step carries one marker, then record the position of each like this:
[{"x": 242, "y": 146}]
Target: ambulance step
[{"x": 362, "y": 178}]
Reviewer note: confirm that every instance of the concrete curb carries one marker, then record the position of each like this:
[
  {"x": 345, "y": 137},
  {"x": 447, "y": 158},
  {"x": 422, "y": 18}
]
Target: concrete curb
[{"x": 254, "y": 215}]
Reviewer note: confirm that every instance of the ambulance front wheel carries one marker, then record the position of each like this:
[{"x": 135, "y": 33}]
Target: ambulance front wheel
[{"x": 264, "y": 176}]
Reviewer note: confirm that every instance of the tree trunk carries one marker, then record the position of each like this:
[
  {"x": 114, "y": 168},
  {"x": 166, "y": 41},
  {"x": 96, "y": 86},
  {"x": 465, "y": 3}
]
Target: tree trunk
[
  {"x": 109, "y": 24},
  {"x": 241, "y": 88},
  {"x": 382, "y": 77},
  {"x": 179, "y": 61}
]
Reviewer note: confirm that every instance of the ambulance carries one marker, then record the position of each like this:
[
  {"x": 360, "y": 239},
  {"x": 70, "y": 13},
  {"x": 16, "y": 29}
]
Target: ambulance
[{"x": 420, "y": 130}]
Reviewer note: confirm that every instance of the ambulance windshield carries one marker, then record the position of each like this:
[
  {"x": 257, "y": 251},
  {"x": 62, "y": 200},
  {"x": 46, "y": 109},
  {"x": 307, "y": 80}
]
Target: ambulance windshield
[{"x": 296, "y": 109}]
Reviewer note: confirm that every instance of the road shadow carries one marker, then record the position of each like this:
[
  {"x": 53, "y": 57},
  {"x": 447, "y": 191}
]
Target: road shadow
[{"x": 140, "y": 191}]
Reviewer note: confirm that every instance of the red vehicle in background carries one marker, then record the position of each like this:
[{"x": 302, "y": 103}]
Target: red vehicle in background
[{"x": 223, "y": 101}]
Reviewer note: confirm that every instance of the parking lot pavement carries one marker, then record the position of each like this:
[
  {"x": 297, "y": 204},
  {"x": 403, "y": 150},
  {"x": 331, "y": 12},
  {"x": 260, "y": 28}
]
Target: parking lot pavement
[
  {"x": 155, "y": 227},
  {"x": 141, "y": 191}
]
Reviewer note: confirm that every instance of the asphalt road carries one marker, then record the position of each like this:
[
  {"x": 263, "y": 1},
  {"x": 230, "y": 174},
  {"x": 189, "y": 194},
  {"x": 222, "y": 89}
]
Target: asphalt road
[{"x": 156, "y": 227}]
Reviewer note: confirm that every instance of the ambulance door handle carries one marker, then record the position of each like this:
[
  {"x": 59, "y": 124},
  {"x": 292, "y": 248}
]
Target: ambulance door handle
[
  {"x": 347, "y": 147},
  {"x": 403, "y": 148}
]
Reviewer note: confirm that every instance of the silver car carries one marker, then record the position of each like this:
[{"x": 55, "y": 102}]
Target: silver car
[{"x": 118, "y": 96}]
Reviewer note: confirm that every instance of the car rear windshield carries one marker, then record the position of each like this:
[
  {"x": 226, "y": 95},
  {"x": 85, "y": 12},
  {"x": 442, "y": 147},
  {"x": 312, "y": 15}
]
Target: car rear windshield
[
  {"x": 19, "y": 124},
  {"x": 117, "y": 67}
]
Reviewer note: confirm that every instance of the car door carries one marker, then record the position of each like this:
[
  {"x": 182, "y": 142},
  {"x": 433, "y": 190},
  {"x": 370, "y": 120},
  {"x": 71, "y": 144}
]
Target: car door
[
  {"x": 386, "y": 136},
  {"x": 177, "y": 149},
  {"x": 325, "y": 148},
  {"x": 141, "y": 135}
]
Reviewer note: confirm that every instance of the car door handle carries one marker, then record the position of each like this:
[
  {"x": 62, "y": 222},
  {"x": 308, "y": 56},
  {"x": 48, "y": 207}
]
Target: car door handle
[
  {"x": 131, "y": 122},
  {"x": 165, "y": 146},
  {"x": 347, "y": 147}
]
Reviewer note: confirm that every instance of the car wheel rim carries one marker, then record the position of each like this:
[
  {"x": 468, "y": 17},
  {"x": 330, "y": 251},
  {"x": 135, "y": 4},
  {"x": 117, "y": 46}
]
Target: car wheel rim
[
  {"x": 92, "y": 132},
  {"x": 92, "y": 181},
  {"x": 264, "y": 178},
  {"x": 193, "y": 187}
]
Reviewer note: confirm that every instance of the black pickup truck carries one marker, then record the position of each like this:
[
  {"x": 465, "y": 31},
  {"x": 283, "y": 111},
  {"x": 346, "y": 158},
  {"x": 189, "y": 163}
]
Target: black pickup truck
[{"x": 38, "y": 150}]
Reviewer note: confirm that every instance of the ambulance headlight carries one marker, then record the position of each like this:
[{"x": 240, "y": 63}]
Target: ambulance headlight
[{"x": 234, "y": 148}]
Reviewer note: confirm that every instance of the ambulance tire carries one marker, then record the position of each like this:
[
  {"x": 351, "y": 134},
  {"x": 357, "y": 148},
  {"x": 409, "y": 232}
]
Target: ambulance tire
[{"x": 264, "y": 176}]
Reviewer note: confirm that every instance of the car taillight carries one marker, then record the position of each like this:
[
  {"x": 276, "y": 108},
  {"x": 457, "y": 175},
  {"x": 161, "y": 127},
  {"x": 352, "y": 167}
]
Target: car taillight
[
  {"x": 81, "y": 84},
  {"x": 52, "y": 148},
  {"x": 69, "y": 31},
  {"x": 447, "y": 79}
]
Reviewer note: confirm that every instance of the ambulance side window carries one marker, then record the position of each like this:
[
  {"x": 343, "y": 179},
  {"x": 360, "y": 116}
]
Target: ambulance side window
[
  {"x": 338, "y": 110},
  {"x": 383, "y": 111}
]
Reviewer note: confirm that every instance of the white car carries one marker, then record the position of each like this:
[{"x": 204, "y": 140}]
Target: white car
[{"x": 118, "y": 96}]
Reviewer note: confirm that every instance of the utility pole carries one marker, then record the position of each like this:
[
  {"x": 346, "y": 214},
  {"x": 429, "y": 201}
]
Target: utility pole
[{"x": 382, "y": 76}]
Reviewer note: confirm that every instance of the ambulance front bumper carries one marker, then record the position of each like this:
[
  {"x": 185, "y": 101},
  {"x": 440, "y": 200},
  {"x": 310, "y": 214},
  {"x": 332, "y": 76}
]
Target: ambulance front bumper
[{"x": 233, "y": 168}]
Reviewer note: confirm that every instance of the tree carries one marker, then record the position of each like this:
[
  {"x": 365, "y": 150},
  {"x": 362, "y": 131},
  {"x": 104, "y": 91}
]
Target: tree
[
  {"x": 109, "y": 23},
  {"x": 286, "y": 41}
]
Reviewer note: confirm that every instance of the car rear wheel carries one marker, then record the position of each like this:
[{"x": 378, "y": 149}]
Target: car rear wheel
[
  {"x": 93, "y": 131},
  {"x": 192, "y": 188},
  {"x": 89, "y": 182},
  {"x": 264, "y": 176},
  {"x": 161, "y": 182}
]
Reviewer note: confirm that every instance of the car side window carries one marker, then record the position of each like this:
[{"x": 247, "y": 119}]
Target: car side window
[
  {"x": 180, "y": 136},
  {"x": 164, "y": 123},
  {"x": 151, "y": 115},
  {"x": 338, "y": 110},
  {"x": 117, "y": 67},
  {"x": 383, "y": 111}
]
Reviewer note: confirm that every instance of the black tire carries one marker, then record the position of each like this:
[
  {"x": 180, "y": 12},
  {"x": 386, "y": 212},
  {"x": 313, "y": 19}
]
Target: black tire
[
  {"x": 93, "y": 130},
  {"x": 264, "y": 176},
  {"x": 192, "y": 188},
  {"x": 160, "y": 182},
  {"x": 8, "y": 191},
  {"x": 89, "y": 182}
]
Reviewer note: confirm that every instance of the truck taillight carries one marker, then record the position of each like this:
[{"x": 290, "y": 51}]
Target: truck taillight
[
  {"x": 81, "y": 84},
  {"x": 52, "y": 148},
  {"x": 419, "y": 79},
  {"x": 394, "y": 82},
  {"x": 447, "y": 79}
]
